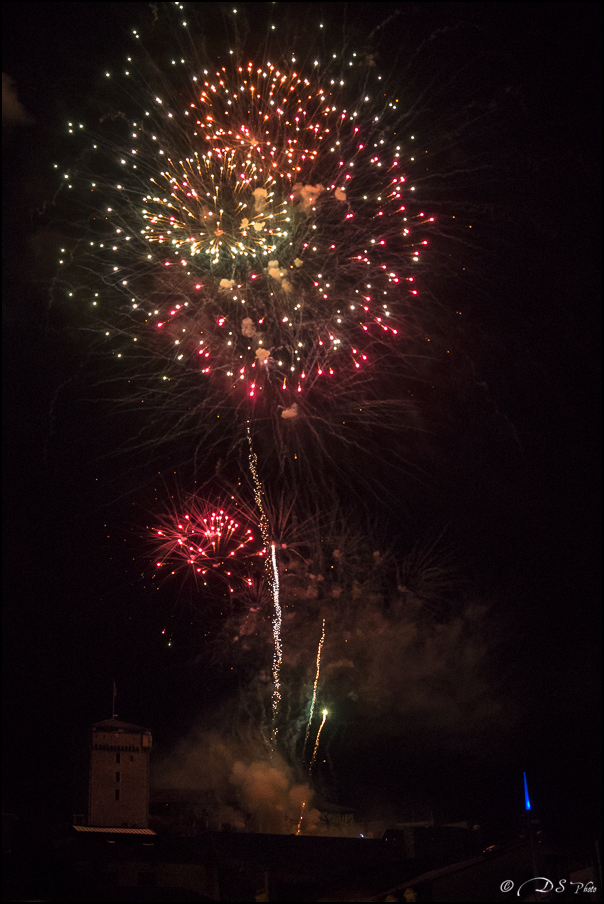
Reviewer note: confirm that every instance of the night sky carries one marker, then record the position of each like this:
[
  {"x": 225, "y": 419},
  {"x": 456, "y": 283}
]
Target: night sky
[{"x": 503, "y": 459}]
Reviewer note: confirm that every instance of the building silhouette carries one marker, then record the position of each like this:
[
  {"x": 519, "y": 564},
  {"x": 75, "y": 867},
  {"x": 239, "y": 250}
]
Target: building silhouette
[{"x": 118, "y": 787}]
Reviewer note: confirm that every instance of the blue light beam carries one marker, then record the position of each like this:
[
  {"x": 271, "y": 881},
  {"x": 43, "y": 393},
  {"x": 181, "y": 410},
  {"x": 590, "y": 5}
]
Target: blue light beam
[{"x": 527, "y": 802}]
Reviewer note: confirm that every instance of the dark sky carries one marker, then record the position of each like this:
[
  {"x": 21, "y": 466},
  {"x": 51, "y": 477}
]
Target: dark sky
[{"x": 509, "y": 462}]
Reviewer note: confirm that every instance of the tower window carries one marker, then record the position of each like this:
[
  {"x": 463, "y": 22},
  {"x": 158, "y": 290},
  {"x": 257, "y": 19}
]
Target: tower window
[
  {"x": 117, "y": 793},
  {"x": 117, "y": 758},
  {"x": 117, "y": 776}
]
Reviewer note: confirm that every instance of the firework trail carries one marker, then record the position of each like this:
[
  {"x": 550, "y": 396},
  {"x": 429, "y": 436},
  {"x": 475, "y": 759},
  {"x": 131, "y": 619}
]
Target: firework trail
[
  {"x": 299, "y": 829},
  {"x": 258, "y": 492},
  {"x": 272, "y": 573},
  {"x": 278, "y": 654},
  {"x": 314, "y": 753},
  {"x": 310, "y": 715},
  {"x": 314, "y": 692}
]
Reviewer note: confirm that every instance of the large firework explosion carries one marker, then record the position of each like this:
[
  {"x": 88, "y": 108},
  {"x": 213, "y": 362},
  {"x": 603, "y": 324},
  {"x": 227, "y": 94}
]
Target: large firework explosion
[
  {"x": 249, "y": 242},
  {"x": 248, "y": 246}
]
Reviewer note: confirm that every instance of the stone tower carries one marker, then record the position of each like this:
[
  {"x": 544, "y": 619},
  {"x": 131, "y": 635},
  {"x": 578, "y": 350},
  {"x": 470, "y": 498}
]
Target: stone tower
[{"x": 118, "y": 788}]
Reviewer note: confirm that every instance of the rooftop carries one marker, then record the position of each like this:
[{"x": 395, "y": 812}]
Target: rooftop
[{"x": 118, "y": 725}]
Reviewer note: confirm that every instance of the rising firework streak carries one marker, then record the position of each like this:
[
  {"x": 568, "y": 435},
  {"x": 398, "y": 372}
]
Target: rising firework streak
[{"x": 314, "y": 692}]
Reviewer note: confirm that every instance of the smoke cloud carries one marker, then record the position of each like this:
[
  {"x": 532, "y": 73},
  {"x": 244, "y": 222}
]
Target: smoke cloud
[
  {"x": 245, "y": 785},
  {"x": 13, "y": 111}
]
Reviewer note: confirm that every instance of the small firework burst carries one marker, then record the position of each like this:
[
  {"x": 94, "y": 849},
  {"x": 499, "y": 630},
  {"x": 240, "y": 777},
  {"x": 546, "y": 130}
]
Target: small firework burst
[{"x": 209, "y": 541}]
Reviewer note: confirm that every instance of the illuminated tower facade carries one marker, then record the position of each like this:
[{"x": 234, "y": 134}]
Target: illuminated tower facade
[{"x": 118, "y": 789}]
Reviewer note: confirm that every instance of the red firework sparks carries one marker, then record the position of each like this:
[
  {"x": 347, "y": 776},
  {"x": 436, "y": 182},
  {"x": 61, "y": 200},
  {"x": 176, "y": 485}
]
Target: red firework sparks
[{"x": 208, "y": 540}]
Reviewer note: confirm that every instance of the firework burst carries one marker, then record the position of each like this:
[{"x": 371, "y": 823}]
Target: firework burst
[
  {"x": 251, "y": 235},
  {"x": 207, "y": 541}
]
